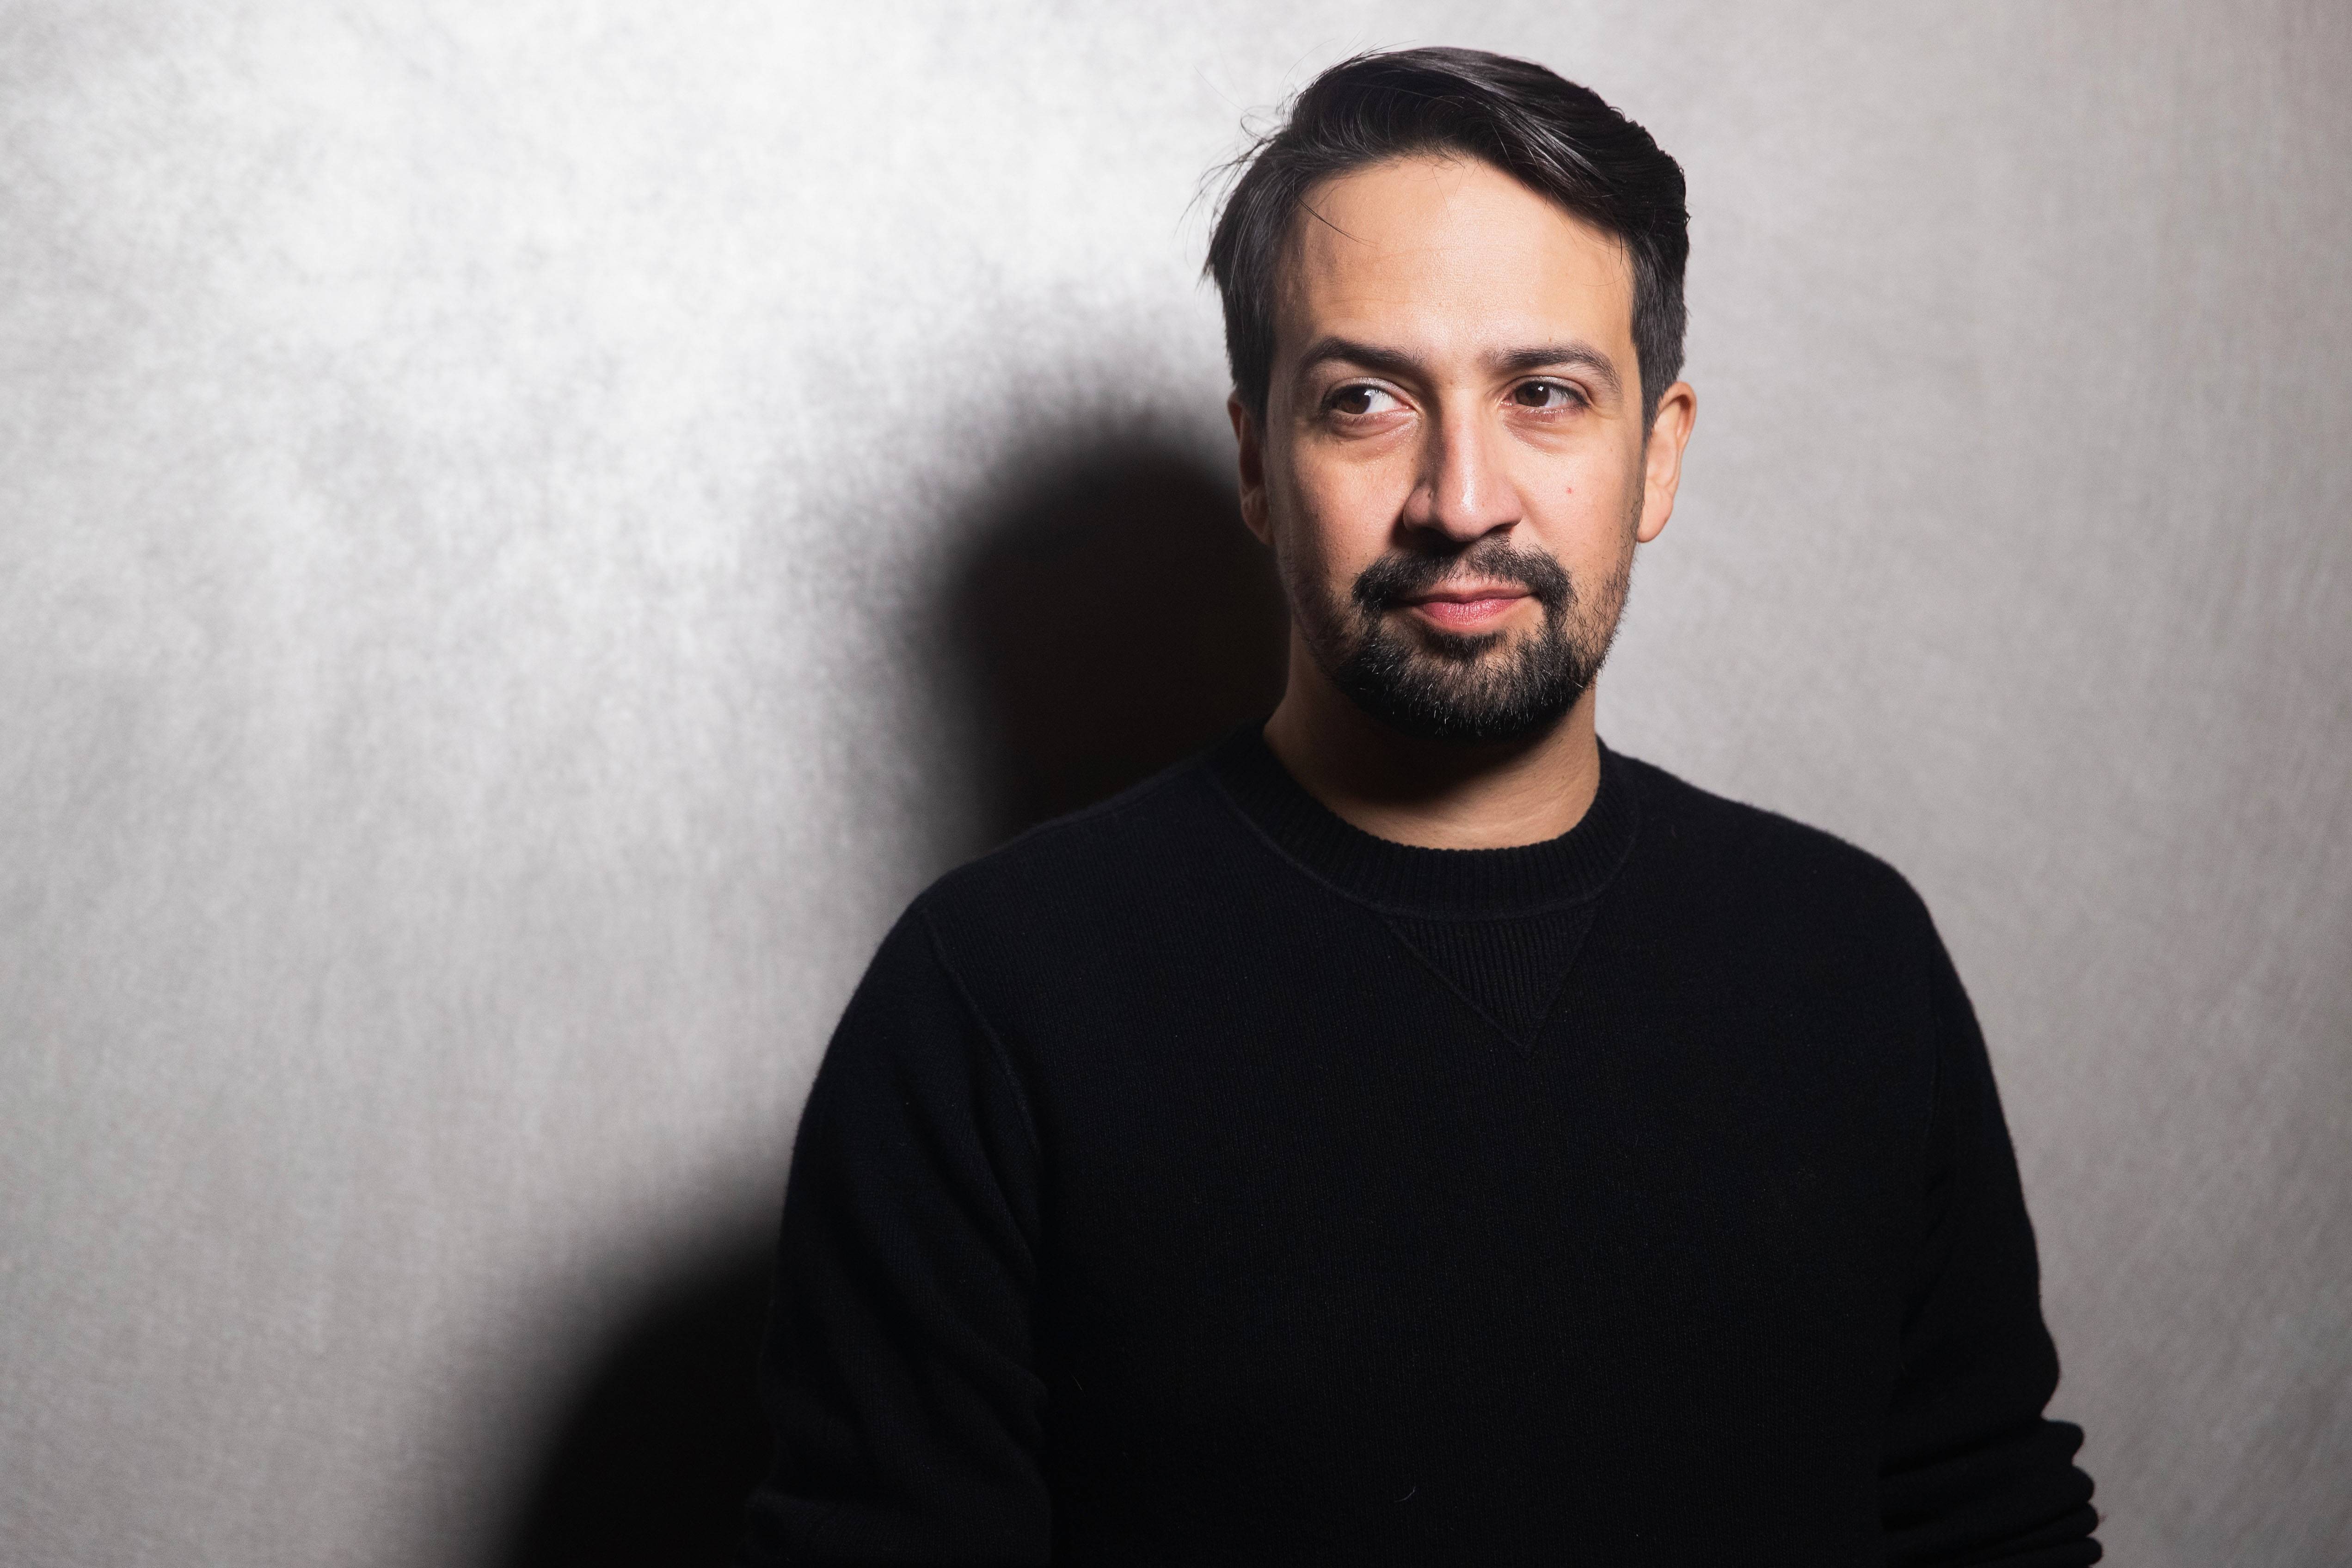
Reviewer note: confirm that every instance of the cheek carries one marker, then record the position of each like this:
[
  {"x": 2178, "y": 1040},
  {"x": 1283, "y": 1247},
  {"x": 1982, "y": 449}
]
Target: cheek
[
  {"x": 1338, "y": 519},
  {"x": 1587, "y": 515}
]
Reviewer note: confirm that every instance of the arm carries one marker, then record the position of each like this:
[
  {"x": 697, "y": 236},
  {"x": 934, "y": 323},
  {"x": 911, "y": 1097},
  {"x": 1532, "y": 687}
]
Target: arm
[
  {"x": 897, "y": 1374},
  {"x": 1972, "y": 1472}
]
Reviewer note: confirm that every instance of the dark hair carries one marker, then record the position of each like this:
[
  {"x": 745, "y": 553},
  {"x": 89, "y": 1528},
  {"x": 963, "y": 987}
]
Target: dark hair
[{"x": 1557, "y": 138}]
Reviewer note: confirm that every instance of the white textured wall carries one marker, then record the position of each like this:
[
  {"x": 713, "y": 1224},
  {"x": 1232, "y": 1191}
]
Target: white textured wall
[{"x": 478, "y": 484}]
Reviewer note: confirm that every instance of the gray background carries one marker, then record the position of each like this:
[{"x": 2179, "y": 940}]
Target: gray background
[{"x": 514, "y": 523}]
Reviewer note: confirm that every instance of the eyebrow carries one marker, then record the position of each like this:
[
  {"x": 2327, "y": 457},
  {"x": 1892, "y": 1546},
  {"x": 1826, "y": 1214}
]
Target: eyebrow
[{"x": 1396, "y": 362}]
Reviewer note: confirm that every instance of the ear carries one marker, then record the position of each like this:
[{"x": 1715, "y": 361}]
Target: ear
[
  {"x": 1661, "y": 459},
  {"x": 1249, "y": 439}
]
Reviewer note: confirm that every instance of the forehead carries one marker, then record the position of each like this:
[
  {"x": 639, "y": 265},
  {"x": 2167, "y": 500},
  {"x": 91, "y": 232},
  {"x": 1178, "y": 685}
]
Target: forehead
[{"x": 1437, "y": 252}]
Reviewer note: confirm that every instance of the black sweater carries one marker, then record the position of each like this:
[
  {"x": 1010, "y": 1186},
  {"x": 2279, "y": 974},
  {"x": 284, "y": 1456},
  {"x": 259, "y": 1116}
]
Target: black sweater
[{"x": 1199, "y": 1179}]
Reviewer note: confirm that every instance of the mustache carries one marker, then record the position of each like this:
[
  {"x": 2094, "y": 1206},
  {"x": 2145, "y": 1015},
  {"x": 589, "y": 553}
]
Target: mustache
[{"x": 1399, "y": 575}]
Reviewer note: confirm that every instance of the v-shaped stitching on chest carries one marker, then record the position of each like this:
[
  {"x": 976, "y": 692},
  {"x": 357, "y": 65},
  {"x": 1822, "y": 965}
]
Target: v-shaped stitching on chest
[{"x": 1525, "y": 1046}]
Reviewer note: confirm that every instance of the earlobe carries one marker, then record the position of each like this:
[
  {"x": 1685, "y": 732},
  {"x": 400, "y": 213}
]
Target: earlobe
[
  {"x": 1250, "y": 462},
  {"x": 1661, "y": 459}
]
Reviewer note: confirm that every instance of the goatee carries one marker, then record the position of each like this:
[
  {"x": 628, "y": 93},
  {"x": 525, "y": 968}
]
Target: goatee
[{"x": 1474, "y": 688}]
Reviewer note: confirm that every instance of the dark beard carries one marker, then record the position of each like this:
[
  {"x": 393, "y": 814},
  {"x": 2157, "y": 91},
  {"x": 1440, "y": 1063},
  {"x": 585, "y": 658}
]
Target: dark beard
[{"x": 1476, "y": 688}]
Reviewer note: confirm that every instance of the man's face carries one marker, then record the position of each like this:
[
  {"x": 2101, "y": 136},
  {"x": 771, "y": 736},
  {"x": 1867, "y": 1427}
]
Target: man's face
[{"x": 1452, "y": 471}]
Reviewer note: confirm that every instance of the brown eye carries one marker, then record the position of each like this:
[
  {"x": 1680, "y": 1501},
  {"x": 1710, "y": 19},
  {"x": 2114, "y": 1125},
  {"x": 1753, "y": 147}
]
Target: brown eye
[
  {"x": 1546, "y": 395},
  {"x": 1360, "y": 400}
]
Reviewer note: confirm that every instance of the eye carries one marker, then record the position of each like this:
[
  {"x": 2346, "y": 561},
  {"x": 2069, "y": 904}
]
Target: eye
[
  {"x": 1360, "y": 399},
  {"x": 1547, "y": 396}
]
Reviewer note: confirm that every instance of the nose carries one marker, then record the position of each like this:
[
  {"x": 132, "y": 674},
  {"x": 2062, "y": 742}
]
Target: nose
[{"x": 1464, "y": 493}]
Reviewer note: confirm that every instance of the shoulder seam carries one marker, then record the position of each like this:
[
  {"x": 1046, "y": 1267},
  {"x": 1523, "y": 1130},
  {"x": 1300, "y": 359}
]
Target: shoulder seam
[
  {"x": 997, "y": 1053},
  {"x": 1126, "y": 800},
  {"x": 1765, "y": 823}
]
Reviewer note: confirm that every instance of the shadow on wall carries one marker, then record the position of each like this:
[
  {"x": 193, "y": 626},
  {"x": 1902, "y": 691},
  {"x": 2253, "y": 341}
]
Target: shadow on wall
[
  {"x": 1108, "y": 616},
  {"x": 1112, "y": 615}
]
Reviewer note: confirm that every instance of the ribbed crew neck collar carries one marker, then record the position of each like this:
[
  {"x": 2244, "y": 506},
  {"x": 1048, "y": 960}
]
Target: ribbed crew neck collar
[{"x": 1524, "y": 880}]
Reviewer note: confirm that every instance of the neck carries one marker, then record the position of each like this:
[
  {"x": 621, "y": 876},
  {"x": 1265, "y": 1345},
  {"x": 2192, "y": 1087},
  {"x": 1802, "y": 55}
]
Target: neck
[{"x": 1436, "y": 795}]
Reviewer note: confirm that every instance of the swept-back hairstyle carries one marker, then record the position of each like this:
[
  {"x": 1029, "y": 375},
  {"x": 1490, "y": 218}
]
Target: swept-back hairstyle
[{"x": 1558, "y": 139}]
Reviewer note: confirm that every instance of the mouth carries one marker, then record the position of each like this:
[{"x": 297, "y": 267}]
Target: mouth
[{"x": 1466, "y": 607}]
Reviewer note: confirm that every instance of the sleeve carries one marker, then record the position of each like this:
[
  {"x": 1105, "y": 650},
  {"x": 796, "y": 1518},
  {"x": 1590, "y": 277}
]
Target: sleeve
[
  {"x": 1972, "y": 1472},
  {"x": 898, "y": 1372}
]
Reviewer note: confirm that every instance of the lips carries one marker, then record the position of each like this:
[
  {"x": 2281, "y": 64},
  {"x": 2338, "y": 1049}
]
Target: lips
[
  {"x": 1463, "y": 609},
  {"x": 1469, "y": 592}
]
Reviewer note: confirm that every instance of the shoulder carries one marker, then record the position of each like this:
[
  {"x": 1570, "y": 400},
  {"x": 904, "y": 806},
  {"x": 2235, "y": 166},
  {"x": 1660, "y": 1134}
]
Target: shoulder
[
  {"x": 1795, "y": 924},
  {"x": 1077, "y": 874},
  {"x": 1024, "y": 924},
  {"x": 1763, "y": 861}
]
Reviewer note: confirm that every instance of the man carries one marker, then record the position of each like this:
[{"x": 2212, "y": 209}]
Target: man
[{"x": 1412, "y": 1133}]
